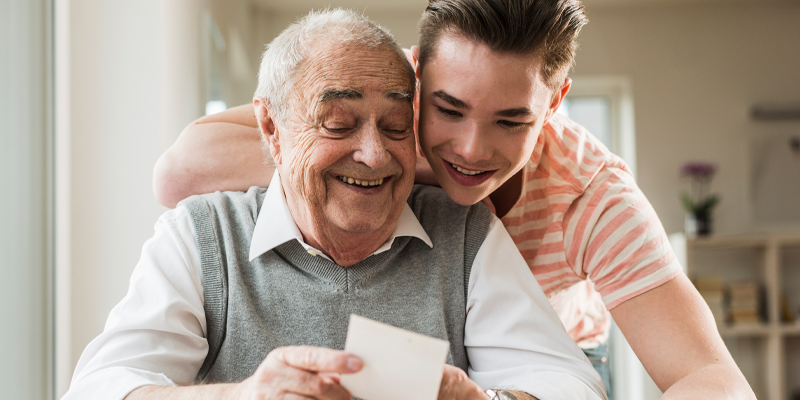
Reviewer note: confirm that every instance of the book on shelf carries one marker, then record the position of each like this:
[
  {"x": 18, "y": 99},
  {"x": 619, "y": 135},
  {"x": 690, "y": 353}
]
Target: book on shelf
[
  {"x": 712, "y": 289},
  {"x": 787, "y": 316},
  {"x": 736, "y": 303},
  {"x": 745, "y": 303}
]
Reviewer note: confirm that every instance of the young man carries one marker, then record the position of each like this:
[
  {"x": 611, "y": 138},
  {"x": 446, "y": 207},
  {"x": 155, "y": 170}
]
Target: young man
[{"x": 491, "y": 75}]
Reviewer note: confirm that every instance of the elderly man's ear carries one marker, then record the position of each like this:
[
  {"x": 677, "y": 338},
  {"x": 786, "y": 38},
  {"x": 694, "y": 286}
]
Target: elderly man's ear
[{"x": 268, "y": 128}]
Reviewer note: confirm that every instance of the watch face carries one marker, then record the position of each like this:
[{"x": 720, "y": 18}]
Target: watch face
[{"x": 506, "y": 395}]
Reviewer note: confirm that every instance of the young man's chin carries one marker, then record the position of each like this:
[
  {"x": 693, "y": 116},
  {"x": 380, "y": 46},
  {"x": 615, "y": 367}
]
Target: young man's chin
[{"x": 466, "y": 196}]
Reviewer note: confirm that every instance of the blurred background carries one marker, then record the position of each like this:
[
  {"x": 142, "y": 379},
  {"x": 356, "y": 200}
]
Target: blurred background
[{"x": 92, "y": 92}]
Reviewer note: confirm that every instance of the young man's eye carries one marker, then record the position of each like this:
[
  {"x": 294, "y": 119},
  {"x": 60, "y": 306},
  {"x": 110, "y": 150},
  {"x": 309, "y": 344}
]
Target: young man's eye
[
  {"x": 510, "y": 124},
  {"x": 448, "y": 112}
]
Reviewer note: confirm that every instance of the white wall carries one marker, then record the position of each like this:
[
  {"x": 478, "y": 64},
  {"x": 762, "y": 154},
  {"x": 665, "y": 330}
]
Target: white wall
[
  {"x": 24, "y": 216},
  {"x": 115, "y": 139},
  {"x": 696, "y": 70}
]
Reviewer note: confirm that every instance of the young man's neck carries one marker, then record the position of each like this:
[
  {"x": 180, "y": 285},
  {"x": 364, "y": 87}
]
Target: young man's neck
[{"x": 507, "y": 195}]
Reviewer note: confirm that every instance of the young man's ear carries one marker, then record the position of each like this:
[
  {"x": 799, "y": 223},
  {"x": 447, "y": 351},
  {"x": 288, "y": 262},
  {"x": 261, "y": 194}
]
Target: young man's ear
[
  {"x": 415, "y": 62},
  {"x": 414, "y": 59},
  {"x": 558, "y": 97},
  {"x": 267, "y": 128}
]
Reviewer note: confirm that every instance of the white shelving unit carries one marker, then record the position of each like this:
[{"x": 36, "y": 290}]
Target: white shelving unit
[{"x": 767, "y": 353}]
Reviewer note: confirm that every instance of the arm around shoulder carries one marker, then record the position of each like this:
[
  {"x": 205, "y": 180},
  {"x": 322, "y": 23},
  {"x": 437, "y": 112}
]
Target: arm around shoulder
[{"x": 216, "y": 152}]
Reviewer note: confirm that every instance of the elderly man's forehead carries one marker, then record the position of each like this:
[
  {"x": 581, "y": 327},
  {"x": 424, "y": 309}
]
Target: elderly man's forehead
[{"x": 336, "y": 70}]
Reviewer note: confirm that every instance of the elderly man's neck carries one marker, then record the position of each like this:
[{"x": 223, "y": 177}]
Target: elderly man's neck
[{"x": 345, "y": 248}]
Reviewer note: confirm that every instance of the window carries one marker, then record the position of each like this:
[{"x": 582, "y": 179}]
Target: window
[{"x": 604, "y": 106}]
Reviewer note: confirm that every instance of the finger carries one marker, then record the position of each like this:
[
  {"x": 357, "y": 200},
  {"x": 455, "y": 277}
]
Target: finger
[
  {"x": 318, "y": 359},
  {"x": 311, "y": 384},
  {"x": 293, "y": 396},
  {"x": 333, "y": 377}
]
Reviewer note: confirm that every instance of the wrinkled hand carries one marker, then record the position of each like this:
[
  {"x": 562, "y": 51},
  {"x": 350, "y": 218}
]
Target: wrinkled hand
[
  {"x": 457, "y": 385},
  {"x": 300, "y": 372}
]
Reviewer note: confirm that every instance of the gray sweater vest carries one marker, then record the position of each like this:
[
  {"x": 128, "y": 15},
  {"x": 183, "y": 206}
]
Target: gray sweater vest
[{"x": 289, "y": 297}]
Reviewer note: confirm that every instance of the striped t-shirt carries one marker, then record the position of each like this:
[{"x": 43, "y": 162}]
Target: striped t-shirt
[{"x": 588, "y": 233}]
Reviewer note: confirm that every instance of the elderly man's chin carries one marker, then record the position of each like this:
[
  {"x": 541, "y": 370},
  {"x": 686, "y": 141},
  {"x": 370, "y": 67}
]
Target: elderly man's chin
[{"x": 355, "y": 209}]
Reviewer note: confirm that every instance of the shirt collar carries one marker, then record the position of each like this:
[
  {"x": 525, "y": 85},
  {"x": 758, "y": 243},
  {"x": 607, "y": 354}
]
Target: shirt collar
[{"x": 275, "y": 225}]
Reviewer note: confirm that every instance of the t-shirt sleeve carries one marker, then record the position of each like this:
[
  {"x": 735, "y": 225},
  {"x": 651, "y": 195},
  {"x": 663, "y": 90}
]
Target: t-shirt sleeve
[{"x": 615, "y": 239}]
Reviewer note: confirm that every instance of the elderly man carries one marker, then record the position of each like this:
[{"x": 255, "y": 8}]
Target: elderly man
[{"x": 250, "y": 293}]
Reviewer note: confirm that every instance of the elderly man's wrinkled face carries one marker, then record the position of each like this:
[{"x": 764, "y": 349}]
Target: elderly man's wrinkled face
[{"x": 347, "y": 148}]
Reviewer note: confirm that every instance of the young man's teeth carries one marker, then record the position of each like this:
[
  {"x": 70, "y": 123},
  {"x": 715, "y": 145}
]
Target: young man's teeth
[
  {"x": 352, "y": 181},
  {"x": 466, "y": 171}
]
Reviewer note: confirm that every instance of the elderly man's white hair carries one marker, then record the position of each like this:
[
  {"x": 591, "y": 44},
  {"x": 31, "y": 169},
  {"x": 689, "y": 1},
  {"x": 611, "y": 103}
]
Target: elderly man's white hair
[{"x": 279, "y": 63}]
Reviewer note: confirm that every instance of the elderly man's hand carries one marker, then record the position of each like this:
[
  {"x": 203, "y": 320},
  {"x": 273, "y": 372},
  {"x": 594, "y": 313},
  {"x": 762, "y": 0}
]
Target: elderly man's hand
[
  {"x": 298, "y": 372},
  {"x": 457, "y": 385}
]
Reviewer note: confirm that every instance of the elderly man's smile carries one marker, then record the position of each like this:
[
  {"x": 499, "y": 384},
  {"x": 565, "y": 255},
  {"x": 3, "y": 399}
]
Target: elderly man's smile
[{"x": 367, "y": 185}]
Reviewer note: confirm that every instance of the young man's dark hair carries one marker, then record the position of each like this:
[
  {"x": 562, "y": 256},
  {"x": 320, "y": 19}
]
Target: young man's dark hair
[{"x": 548, "y": 28}]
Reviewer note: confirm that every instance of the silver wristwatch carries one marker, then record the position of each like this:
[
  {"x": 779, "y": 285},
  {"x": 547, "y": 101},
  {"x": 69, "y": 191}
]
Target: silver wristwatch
[{"x": 500, "y": 395}]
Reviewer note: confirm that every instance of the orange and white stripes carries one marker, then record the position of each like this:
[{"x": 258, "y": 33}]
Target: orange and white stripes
[{"x": 581, "y": 220}]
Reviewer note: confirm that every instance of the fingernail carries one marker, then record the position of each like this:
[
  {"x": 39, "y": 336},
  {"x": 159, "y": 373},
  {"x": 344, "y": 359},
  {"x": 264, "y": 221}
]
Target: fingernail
[{"x": 354, "y": 364}]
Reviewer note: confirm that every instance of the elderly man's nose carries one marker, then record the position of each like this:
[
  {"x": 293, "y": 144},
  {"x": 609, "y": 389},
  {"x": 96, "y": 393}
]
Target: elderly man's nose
[{"x": 372, "y": 149}]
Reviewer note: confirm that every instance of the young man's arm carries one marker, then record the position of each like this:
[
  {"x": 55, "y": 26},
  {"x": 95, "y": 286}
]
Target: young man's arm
[
  {"x": 672, "y": 331},
  {"x": 663, "y": 317},
  {"x": 216, "y": 152}
]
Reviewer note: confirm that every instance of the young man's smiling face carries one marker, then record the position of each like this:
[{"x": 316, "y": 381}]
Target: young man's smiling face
[{"x": 481, "y": 113}]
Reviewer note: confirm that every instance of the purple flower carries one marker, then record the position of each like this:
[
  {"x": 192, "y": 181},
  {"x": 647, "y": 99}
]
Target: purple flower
[
  {"x": 698, "y": 200},
  {"x": 699, "y": 169}
]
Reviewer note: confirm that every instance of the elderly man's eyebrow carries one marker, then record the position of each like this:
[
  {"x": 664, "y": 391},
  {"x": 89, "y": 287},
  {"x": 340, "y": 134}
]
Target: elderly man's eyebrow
[
  {"x": 330, "y": 94},
  {"x": 451, "y": 100},
  {"x": 404, "y": 95},
  {"x": 515, "y": 112}
]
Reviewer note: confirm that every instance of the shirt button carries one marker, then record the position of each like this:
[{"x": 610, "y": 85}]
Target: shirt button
[{"x": 312, "y": 252}]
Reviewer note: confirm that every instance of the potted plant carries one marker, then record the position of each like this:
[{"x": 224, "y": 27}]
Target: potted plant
[{"x": 698, "y": 202}]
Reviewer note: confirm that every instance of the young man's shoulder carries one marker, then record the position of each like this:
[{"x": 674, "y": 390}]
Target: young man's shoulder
[{"x": 576, "y": 154}]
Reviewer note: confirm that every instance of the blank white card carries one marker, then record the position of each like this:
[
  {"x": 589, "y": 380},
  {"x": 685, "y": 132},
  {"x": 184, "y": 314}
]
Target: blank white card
[{"x": 398, "y": 364}]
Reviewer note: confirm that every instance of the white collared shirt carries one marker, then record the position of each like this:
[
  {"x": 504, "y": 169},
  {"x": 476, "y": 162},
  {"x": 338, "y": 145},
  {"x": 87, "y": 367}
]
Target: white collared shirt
[{"x": 156, "y": 334}]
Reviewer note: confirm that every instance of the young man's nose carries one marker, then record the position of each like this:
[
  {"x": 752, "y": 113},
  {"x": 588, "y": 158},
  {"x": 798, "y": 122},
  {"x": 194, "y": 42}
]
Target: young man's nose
[{"x": 471, "y": 145}]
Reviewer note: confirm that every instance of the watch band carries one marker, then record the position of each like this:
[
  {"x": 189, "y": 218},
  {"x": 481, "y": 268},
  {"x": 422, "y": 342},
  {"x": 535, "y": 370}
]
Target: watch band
[{"x": 500, "y": 395}]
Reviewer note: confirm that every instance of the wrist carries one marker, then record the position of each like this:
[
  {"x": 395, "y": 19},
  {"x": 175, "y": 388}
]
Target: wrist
[
  {"x": 498, "y": 394},
  {"x": 232, "y": 391}
]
